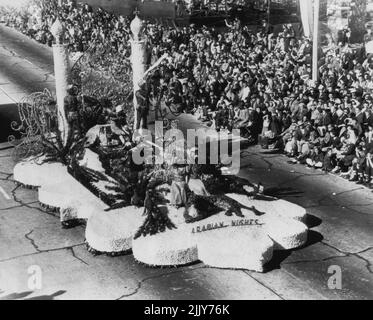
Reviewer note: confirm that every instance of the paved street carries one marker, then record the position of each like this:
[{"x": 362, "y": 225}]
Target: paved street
[
  {"x": 340, "y": 215},
  {"x": 25, "y": 67}
]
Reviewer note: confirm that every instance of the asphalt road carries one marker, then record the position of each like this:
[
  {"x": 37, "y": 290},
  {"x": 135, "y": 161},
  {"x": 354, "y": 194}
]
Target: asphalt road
[
  {"x": 341, "y": 238},
  {"x": 25, "y": 67},
  {"x": 22, "y": 46}
]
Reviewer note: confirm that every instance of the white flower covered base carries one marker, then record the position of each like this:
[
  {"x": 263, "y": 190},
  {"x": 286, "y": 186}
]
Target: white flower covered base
[{"x": 218, "y": 241}]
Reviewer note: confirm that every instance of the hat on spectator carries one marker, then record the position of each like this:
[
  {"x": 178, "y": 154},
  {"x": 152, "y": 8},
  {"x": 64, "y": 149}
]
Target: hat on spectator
[{"x": 119, "y": 108}]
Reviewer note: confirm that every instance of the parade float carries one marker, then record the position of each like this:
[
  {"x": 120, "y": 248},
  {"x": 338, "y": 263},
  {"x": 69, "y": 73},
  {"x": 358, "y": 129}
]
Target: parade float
[{"x": 79, "y": 154}]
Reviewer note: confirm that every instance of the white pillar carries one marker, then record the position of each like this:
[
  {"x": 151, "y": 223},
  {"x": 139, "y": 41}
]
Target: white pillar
[
  {"x": 315, "y": 58},
  {"x": 61, "y": 74},
  {"x": 138, "y": 59}
]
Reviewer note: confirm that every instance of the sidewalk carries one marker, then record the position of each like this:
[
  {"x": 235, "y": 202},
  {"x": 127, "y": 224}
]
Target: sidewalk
[{"x": 21, "y": 71}]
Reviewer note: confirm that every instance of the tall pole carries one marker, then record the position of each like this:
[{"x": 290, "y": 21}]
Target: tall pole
[
  {"x": 315, "y": 46},
  {"x": 268, "y": 34},
  {"x": 61, "y": 74},
  {"x": 138, "y": 62}
]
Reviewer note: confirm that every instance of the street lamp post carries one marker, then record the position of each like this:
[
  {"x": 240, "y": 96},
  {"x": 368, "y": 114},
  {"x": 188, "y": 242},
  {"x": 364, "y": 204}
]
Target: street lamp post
[{"x": 315, "y": 46}]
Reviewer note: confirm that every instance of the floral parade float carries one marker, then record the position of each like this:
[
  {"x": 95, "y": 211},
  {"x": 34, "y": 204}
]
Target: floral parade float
[{"x": 78, "y": 153}]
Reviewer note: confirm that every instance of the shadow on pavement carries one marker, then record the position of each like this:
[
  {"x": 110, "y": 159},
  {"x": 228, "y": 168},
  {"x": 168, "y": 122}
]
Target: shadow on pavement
[
  {"x": 280, "y": 255},
  {"x": 48, "y": 297},
  {"x": 15, "y": 296},
  {"x": 273, "y": 151},
  {"x": 283, "y": 192},
  {"x": 312, "y": 221},
  {"x": 23, "y": 295}
]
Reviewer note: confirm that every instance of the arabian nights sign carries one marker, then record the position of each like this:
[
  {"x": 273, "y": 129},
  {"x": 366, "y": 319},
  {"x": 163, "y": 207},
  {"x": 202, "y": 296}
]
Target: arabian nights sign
[{"x": 222, "y": 224}]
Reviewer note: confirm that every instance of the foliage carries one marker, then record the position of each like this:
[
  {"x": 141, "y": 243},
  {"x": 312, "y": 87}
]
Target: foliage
[
  {"x": 38, "y": 122},
  {"x": 87, "y": 177},
  {"x": 156, "y": 221},
  {"x": 131, "y": 179},
  {"x": 56, "y": 151},
  {"x": 91, "y": 112},
  {"x": 103, "y": 74},
  {"x": 39, "y": 132}
]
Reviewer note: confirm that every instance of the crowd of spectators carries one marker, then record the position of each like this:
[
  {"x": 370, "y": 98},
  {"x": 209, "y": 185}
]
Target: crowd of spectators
[
  {"x": 216, "y": 7},
  {"x": 84, "y": 26},
  {"x": 248, "y": 79}
]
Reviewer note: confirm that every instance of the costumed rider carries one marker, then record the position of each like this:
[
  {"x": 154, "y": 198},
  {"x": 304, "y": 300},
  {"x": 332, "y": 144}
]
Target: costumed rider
[
  {"x": 178, "y": 185},
  {"x": 195, "y": 184},
  {"x": 71, "y": 106},
  {"x": 143, "y": 93},
  {"x": 142, "y": 97},
  {"x": 120, "y": 127},
  {"x": 174, "y": 157}
]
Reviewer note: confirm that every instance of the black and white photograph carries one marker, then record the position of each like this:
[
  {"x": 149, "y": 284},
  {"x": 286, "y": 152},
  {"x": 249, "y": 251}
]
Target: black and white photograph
[{"x": 186, "y": 150}]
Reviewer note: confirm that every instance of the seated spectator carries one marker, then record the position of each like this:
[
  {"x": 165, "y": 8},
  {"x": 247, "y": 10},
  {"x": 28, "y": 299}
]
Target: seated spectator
[
  {"x": 315, "y": 158},
  {"x": 291, "y": 147},
  {"x": 303, "y": 150},
  {"x": 345, "y": 156}
]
